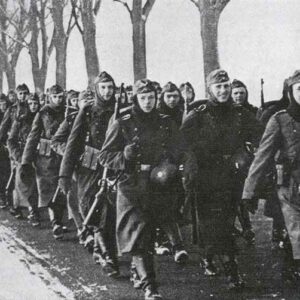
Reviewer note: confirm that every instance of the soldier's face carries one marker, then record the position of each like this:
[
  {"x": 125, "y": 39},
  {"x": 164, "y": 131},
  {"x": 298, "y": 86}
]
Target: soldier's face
[
  {"x": 239, "y": 95},
  {"x": 33, "y": 106},
  {"x": 42, "y": 100},
  {"x": 57, "y": 99},
  {"x": 74, "y": 102},
  {"x": 21, "y": 95},
  {"x": 146, "y": 101},
  {"x": 11, "y": 98},
  {"x": 172, "y": 99},
  {"x": 296, "y": 92},
  {"x": 106, "y": 90},
  {"x": 221, "y": 91},
  {"x": 3, "y": 106},
  {"x": 187, "y": 94},
  {"x": 129, "y": 96}
]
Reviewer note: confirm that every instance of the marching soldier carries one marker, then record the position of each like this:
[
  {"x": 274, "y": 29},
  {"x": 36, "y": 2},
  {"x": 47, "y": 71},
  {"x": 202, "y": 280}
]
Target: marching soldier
[
  {"x": 40, "y": 160},
  {"x": 14, "y": 111},
  {"x": 147, "y": 148},
  {"x": 282, "y": 133},
  {"x": 81, "y": 153},
  {"x": 216, "y": 131},
  {"x": 25, "y": 191},
  {"x": 75, "y": 102}
]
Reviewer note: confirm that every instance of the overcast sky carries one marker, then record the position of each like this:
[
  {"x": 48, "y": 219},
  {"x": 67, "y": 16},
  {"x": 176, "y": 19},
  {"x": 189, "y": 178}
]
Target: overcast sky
[{"x": 257, "y": 38}]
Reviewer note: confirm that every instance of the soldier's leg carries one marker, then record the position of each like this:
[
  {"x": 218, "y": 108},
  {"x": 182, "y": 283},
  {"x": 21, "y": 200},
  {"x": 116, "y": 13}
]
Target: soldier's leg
[
  {"x": 172, "y": 230},
  {"x": 143, "y": 265},
  {"x": 244, "y": 218}
]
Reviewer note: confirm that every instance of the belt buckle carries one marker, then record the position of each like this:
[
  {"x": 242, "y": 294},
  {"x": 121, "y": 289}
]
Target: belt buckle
[{"x": 145, "y": 167}]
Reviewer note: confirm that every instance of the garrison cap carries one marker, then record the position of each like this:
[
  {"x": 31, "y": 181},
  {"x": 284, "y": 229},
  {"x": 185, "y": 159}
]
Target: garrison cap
[
  {"x": 3, "y": 98},
  {"x": 217, "y": 76},
  {"x": 22, "y": 87},
  {"x": 55, "y": 89},
  {"x": 104, "y": 77},
  {"x": 237, "y": 84},
  {"x": 143, "y": 86},
  {"x": 86, "y": 94},
  {"x": 170, "y": 87},
  {"x": 295, "y": 78},
  {"x": 33, "y": 97},
  {"x": 129, "y": 88}
]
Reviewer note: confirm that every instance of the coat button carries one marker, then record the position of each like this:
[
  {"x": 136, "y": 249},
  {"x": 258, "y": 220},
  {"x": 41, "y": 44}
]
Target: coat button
[
  {"x": 139, "y": 155},
  {"x": 163, "y": 144},
  {"x": 135, "y": 129}
]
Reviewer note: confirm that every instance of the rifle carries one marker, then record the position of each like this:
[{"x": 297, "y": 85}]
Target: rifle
[
  {"x": 262, "y": 98},
  {"x": 103, "y": 181},
  {"x": 10, "y": 183}
]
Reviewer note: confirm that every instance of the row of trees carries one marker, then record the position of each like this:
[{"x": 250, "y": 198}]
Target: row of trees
[{"x": 42, "y": 26}]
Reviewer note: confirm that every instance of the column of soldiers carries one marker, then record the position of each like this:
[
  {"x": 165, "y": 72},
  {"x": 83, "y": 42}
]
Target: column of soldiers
[{"x": 165, "y": 160}]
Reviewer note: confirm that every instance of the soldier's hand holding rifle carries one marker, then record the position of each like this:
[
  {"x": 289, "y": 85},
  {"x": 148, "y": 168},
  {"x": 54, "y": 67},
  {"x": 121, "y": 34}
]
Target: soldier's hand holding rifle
[
  {"x": 64, "y": 184},
  {"x": 130, "y": 151}
]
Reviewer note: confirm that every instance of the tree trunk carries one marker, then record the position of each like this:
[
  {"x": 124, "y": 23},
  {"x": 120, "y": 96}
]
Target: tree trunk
[
  {"x": 61, "y": 60},
  {"x": 89, "y": 41},
  {"x": 11, "y": 78},
  {"x": 209, "y": 34},
  {"x": 139, "y": 41}
]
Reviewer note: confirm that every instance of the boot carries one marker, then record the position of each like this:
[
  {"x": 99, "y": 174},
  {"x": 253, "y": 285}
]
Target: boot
[
  {"x": 33, "y": 217},
  {"x": 134, "y": 277},
  {"x": 3, "y": 202},
  {"x": 249, "y": 236},
  {"x": 209, "y": 267},
  {"x": 109, "y": 263},
  {"x": 180, "y": 254},
  {"x": 144, "y": 267},
  {"x": 56, "y": 225},
  {"x": 234, "y": 280}
]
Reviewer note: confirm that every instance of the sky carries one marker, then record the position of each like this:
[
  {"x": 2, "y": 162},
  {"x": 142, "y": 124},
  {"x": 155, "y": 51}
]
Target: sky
[{"x": 257, "y": 39}]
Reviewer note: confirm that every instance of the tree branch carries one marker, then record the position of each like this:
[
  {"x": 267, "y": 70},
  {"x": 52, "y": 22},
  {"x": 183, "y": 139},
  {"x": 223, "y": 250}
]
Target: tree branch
[
  {"x": 196, "y": 2},
  {"x": 147, "y": 8},
  {"x": 97, "y": 7},
  {"x": 220, "y": 4},
  {"x": 126, "y": 6},
  {"x": 74, "y": 6}
]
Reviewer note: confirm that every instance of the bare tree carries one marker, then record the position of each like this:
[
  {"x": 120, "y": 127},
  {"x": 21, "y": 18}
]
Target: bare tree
[
  {"x": 14, "y": 29},
  {"x": 210, "y": 11},
  {"x": 86, "y": 11},
  {"x": 138, "y": 15},
  {"x": 61, "y": 38}
]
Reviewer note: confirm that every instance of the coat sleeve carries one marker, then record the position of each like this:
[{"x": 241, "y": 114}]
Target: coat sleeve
[
  {"x": 111, "y": 155},
  {"x": 264, "y": 156},
  {"x": 13, "y": 143},
  {"x": 5, "y": 126},
  {"x": 59, "y": 140},
  {"x": 74, "y": 146},
  {"x": 33, "y": 140}
]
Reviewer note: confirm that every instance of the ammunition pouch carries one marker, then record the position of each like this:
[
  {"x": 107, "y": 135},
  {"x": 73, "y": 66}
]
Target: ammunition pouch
[
  {"x": 44, "y": 147},
  {"x": 89, "y": 158}
]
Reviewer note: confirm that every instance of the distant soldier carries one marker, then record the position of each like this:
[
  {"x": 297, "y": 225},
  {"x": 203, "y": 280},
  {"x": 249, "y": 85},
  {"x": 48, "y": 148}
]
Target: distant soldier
[
  {"x": 129, "y": 93},
  {"x": 25, "y": 191},
  {"x": 148, "y": 149},
  {"x": 215, "y": 132},
  {"x": 41, "y": 161},
  {"x": 4, "y": 156},
  {"x": 75, "y": 102},
  {"x": 12, "y": 98},
  {"x": 14, "y": 111},
  {"x": 188, "y": 94},
  {"x": 282, "y": 134},
  {"x": 81, "y": 153},
  {"x": 42, "y": 99}
]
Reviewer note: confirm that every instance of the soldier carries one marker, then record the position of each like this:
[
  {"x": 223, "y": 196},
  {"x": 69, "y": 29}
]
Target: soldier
[
  {"x": 188, "y": 94},
  {"x": 268, "y": 189},
  {"x": 239, "y": 94},
  {"x": 46, "y": 162},
  {"x": 25, "y": 191},
  {"x": 171, "y": 104},
  {"x": 215, "y": 132},
  {"x": 282, "y": 133},
  {"x": 147, "y": 148},
  {"x": 42, "y": 99},
  {"x": 58, "y": 144},
  {"x": 129, "y": 93},
  {"x": 4, "y": 158},
  {"x": 83, "y": 147},
  {"x": 13, "y": 112},
  {"x": 11, "y": 97}
]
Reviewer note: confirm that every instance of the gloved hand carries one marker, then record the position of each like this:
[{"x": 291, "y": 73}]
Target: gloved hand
[
  {"x": 251, "y": 205},
  {"x": 64, "y": 184},
  {"x": 130, "y": 151},
  {"x": 283, "y": 193},
  {"x": 26, "y": 171}
]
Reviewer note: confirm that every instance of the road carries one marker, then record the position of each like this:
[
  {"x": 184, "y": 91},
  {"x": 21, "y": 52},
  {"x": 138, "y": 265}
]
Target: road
[{"x": 34, "y": 266}]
